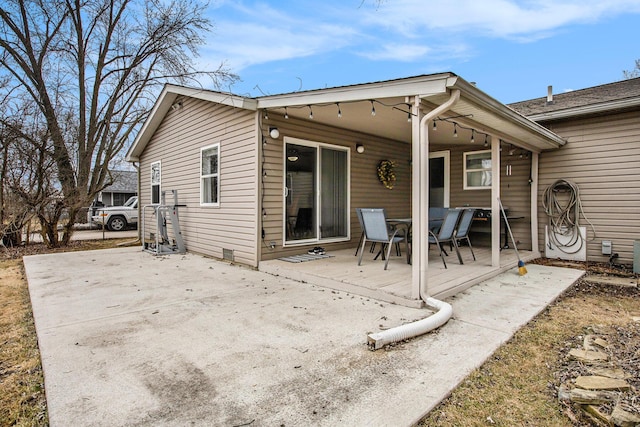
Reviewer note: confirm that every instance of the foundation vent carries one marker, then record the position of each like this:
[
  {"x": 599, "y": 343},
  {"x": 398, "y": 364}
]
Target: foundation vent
[{"x": 227, "y": 254}]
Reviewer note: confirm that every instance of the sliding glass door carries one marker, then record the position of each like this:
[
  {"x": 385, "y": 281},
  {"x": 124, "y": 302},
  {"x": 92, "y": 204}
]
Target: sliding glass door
[{"x": 317, "y": 192}]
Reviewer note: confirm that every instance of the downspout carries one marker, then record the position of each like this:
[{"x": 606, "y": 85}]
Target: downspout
[{"x": 444, "y": 311}]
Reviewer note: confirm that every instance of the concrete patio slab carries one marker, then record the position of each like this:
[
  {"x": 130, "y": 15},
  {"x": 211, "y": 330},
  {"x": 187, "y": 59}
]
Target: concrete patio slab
[{"x": 129, "y": 339}]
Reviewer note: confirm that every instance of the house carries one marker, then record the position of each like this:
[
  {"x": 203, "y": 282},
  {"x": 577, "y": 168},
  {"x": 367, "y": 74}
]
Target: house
[
  {"x": 124, "y": 186},
  {"x": 601, "y": 126},
  {"x": 268, "y": 177}
]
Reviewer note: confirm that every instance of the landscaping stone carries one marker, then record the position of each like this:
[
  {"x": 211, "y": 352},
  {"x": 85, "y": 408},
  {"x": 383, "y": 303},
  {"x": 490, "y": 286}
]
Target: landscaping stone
[
  {"x": 588, "y": 356},
  {"x": 592, "y": 397},
  {"x": 623, "y": 418},
  {"x": 608, "y": 372},
  {"x": 595, "y": 382}
]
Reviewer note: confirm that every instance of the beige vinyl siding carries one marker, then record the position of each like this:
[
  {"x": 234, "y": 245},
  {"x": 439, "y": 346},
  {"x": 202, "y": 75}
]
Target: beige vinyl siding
[
  {"x": 177, "y": 143},
  {"x": 602, "y": 156},
  {"x": 366, "y": 190},
  {"x": 515, "y": 192}
]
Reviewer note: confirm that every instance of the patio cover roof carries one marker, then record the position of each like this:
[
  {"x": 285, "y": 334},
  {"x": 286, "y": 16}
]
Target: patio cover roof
[{"x": 475, "y": 109}]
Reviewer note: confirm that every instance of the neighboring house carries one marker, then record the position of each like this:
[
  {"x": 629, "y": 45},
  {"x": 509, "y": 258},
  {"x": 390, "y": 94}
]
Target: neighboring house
[
  {"x": 125, "y": 185},
  {"x": 266, "y": 177},
  {"x": 601, "y": 125}
]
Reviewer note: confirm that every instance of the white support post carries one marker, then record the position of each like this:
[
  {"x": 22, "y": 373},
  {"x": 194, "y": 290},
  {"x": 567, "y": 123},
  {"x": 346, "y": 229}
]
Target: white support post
[
  {"x": 495, "y": 207},
  {"x": 416, "y": 199}
]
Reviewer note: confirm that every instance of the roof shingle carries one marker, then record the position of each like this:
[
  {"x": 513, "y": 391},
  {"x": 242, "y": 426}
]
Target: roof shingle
[{"x": 617, "y": 91}]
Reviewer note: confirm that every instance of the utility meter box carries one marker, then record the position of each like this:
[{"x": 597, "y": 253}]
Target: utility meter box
[{"x": 606, "y": 247}]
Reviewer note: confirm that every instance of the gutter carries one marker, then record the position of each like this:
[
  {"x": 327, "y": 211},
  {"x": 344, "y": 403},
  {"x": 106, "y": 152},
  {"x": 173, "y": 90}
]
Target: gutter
[{"x": 444, "y": 311}]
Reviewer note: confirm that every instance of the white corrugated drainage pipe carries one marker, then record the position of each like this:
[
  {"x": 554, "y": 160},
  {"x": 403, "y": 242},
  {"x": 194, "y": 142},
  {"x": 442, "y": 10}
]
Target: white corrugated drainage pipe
[
  {"x": 444, "y": 310},
  {"x": 410, "y": 330}
]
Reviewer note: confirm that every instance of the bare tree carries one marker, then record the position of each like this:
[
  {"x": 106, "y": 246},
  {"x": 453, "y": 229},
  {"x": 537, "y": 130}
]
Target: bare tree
[
  {"x": 26, "y": 189},
  {"x": 632, "y": 74},
  {"x": 93, "y": 68}
]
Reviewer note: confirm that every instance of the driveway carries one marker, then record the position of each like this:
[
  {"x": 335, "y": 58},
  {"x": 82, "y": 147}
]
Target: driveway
[{"x": 129, "y": 339}]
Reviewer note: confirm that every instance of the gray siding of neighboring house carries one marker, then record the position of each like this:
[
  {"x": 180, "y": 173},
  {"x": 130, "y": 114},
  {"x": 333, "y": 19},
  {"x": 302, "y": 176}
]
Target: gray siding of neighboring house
[
  {"x": 366, "y": 189},
  {"x": 177, "y": 143},
  {"x": 602, "y": 157}
]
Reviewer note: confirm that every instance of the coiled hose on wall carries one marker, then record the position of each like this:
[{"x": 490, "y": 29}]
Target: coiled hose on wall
[{"x": 564, "y": 216}]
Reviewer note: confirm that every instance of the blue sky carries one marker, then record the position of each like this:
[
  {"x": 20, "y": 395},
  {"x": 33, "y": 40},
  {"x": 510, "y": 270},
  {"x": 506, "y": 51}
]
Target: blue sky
[{"x": 512, "y": 49}]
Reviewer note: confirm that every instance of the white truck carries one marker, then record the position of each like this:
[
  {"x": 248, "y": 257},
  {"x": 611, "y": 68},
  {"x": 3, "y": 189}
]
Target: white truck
[{"x": 117, "y": 218}]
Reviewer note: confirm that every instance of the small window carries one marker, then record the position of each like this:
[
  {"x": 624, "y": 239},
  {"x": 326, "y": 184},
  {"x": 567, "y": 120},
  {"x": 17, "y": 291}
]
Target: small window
[
  {"x": 209, "y": 175},
  {"x": 477, "y": 170},
  {"x": 155, "y": 183}
]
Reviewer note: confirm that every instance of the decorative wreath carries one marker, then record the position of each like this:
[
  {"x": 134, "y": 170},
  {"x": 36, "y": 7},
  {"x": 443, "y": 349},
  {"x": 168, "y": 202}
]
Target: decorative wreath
[{"x": 386, "y": 175}]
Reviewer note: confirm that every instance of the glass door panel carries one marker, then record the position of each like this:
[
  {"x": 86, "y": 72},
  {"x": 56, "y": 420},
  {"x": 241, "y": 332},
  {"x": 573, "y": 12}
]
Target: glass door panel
[
  {"x": 317, "y": 193},
  {"x": 333, "y": 193},
  {"x": 301, "y": 208}
]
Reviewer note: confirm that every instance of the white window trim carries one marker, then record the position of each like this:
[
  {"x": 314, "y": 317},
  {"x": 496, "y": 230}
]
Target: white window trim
[
  {"x": 207, "y": 204},
  {"x": 465, "y": 170},
  {"x": 290, "y": 243},
  {"x": 159, "y": 184}
]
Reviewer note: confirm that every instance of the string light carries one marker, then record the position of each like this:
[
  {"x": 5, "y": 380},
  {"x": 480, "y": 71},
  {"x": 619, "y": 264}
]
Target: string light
[
  {"x": 266, "y": 115},
  {"x": 457, "y": 125},
  {"x": 407, "y": 111}
]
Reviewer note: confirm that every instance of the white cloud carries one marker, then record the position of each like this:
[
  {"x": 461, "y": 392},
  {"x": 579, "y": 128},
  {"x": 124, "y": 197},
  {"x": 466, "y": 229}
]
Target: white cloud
[
  {"x": 263, "y": 34},
  {"x": 397, "y": 52},
  {"x": 496, "y": 18}
]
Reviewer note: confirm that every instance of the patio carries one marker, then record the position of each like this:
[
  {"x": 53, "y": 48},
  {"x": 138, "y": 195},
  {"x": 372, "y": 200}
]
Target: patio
[{"x": 341, "y": 272}]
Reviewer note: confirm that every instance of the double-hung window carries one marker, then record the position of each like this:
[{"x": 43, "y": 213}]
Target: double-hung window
[
  {"x": 155, "y": 183},
  {"x": 210, "y": 175}
]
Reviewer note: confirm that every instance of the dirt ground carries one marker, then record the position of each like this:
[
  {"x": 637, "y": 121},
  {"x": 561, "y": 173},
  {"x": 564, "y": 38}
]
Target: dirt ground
[{"x": 518, "y": 385}]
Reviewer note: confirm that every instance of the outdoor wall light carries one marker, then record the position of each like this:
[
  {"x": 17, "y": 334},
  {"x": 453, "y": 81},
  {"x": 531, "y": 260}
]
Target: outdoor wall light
[
  {"x": 360, "y": 148},
  {"x": 274, "y": 133}
]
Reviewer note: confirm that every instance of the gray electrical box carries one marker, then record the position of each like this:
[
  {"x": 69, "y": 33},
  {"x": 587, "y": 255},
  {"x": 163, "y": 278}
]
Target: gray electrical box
[{"x": 606, "y": 247}]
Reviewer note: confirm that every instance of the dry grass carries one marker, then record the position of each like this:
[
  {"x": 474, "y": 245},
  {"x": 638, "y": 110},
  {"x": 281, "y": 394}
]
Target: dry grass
[
  {"x": 22, "y": 396},
  {"x": 22, "y": 399},
  {"x": 516, "y": 385}
]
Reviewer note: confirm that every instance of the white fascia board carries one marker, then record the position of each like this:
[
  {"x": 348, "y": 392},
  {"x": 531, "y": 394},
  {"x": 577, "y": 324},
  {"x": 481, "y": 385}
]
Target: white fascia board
[
  {"x": 604, "y": 107},
  {"x": 472, "y": 94},
  {"x": 433, "y": 84},
  {"x": 166, "y": 98},
  {"x": 159, "y": 110},
  {"x": 213, "y": 96}
]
